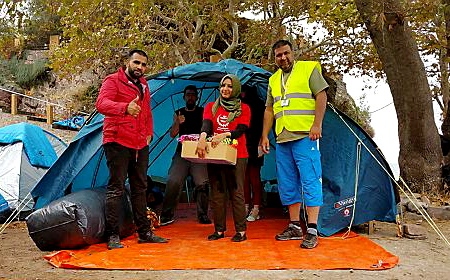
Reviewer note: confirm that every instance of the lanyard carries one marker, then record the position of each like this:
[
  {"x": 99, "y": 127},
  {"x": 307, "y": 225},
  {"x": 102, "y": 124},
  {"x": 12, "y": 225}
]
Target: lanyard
[
  {"x": 283, "y": 85},
  {"x": 284, "y": 81}
]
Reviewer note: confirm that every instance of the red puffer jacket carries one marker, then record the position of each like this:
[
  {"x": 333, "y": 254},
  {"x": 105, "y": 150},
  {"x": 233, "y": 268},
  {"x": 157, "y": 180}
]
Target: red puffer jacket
[{"x": 120, "y": 127}]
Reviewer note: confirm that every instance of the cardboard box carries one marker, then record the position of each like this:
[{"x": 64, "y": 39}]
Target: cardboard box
[{"x": 222, "y": 154}]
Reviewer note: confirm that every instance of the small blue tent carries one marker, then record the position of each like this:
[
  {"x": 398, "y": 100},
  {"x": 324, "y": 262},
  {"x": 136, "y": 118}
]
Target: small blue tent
[
  {"x": 26, "y": 152},
  {"x": 3, "y": 204},
  {"x": 351, "y": 160}
]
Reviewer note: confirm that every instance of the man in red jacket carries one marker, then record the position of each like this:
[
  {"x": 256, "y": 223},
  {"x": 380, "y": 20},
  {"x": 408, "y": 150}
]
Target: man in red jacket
[{"x": 124, "y": 100}]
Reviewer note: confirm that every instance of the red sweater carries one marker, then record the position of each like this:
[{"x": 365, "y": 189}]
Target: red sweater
[
  {"x": 220, "y": 124},
  {"x": 115, "y": 94}
]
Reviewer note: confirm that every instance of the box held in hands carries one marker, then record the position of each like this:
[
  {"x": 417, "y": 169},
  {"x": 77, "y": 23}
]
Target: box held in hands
[{"x": 222, "y": 154}]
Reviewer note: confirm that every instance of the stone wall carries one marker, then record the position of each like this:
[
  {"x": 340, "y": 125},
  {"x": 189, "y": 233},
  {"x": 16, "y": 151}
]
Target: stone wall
[{"x": 33, "y": 55}]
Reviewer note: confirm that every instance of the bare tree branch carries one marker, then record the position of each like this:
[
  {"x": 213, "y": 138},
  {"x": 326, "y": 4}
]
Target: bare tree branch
[
  {"x": 176, "y": 50},
  {"x": 438, "y": 101},
  {"x": 235, "y": 29},
  {"x": 326, "y": 42},
  {"x": 198, "y": 27},
  {"x": 211, "y": 42}
]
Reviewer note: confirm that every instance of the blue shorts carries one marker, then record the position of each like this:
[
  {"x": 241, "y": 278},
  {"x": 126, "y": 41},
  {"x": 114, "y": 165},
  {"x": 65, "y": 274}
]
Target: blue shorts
[{"x": 299, "y": 172}]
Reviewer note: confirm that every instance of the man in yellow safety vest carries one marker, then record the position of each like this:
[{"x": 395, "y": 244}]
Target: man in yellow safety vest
[{"x": 296, "y": 100}]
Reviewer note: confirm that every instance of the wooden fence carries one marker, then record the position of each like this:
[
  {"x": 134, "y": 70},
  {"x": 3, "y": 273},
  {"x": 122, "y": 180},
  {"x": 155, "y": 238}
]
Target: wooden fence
[{"x": 49, "y": 116}]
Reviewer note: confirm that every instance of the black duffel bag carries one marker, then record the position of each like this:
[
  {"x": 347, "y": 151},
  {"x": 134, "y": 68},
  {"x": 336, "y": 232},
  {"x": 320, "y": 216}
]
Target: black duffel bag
[{"x": 76, "y": 220}]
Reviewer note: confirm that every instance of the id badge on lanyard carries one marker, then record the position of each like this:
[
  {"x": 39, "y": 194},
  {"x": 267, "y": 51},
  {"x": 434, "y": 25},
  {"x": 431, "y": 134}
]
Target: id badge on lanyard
[{"x": 284, "y": 100}]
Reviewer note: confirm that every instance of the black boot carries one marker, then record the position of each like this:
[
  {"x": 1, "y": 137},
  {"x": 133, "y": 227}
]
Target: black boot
[{"x": 150, "y": 237}]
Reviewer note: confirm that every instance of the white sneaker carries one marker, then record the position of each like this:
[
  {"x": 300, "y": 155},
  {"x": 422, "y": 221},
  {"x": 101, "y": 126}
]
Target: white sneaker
[{"x": 253, "y": 216}]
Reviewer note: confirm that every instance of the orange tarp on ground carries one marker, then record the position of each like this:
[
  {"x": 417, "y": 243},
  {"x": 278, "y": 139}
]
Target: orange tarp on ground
[{"x": 188, "y": 248}]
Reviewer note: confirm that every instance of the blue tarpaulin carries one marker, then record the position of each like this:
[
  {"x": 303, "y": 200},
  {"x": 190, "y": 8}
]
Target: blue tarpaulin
[
  {"x": 3, "y": 204},
  {"x": 75, "y": 122}
]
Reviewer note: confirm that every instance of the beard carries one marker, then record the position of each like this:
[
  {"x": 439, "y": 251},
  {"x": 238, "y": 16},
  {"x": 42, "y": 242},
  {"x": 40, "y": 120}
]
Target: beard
[
  {"x": 287, "y": 68},
  {"x": 190, "y": 106},
  {"x": 134, "y": 74}
]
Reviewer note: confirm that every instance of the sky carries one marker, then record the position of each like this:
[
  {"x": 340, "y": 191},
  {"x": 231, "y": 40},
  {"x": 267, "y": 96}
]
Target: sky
[{"x": 383, "y": 116}]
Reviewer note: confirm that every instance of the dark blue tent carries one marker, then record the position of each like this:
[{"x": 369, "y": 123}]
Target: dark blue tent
[
  {"x": 83, "y": 166},
  {"x": 353, "y": 164}
]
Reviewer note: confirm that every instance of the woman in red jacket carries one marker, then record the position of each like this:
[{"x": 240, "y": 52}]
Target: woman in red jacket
[{"x": 227, "y": 117}]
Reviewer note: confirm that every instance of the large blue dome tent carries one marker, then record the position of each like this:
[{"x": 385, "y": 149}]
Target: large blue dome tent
[{"x": 357, "y": 181}]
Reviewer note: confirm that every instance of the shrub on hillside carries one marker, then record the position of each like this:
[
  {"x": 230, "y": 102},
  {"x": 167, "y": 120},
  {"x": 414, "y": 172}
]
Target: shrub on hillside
[
  {"x": 27, "y": 75},
  {"x": 84, "y": 100}
]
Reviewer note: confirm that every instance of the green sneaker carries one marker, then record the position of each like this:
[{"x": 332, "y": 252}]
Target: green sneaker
[
  {"x": 310, "y": 241},
  {"x": 150, "y": 237},
  {"x": 114, "y": 242},
  {"x": 292, "y": 232}
]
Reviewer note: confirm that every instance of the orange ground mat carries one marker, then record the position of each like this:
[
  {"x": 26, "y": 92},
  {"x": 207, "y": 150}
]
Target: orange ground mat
[{"x": 188, "y": 248}]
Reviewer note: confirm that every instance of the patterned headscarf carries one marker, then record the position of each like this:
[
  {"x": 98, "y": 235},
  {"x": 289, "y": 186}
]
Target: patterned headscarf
[{"x": 232, "y": 104}]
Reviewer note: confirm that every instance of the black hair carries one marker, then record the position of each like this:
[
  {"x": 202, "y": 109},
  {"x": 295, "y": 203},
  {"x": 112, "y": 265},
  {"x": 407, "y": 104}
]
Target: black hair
[
  {"x": 140, "y": 52},
  {"x": 247, "y": 88},
  {"x": 281, "y": 43},
  {"x": 190, "y": 87}
]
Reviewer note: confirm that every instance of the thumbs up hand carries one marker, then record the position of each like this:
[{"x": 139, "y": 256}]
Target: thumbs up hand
[
  {"x": 180, "y": 118},
  {"x": 133, "y": 108}
]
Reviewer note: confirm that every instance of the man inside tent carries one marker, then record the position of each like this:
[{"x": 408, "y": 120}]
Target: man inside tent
[{"x": 186, "y": 120}]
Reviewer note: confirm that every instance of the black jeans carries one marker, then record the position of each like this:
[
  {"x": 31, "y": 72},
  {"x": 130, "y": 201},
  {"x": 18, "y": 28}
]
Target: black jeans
[
  {"x": 123, "y": 162},
  {"x": 178, "y": 171}
]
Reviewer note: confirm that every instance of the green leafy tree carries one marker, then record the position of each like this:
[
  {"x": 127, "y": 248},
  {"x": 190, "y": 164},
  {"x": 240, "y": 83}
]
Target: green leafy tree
[
  {"x": 41, "y": 22},
  {"x": 10, "y": 21},
  {"x": 99, "y": 33}
]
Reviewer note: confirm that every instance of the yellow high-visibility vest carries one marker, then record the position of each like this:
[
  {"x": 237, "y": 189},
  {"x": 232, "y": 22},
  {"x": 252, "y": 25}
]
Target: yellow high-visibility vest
[{"x": 294, "y": 110}]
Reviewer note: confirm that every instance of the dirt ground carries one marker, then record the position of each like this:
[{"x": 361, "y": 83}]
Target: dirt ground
[{"x": 419, "y": 259}]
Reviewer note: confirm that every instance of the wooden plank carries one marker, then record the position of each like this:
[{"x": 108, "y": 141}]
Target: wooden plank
[
  {"x": 49, "y": 113},
  {"x": 14, "y": 104},
  {"x": 371, "y": 228},
  {"x": 36, "y": 119}
]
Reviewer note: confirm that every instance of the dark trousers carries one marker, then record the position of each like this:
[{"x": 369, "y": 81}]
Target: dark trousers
[
  {"x": 178, "y": 171},
  {"x": 227, "y": 182},
  {"x": 253, "y": 185},
  {"x": 123, "y": 161}
]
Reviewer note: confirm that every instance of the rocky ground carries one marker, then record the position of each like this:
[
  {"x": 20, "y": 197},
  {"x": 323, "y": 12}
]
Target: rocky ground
[{"x": 419, "y": 258}]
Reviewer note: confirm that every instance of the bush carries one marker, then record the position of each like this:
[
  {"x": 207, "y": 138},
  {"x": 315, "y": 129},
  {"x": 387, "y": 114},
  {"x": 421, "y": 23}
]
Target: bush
[
  {"x": 27, "y": 75},
  {"x": 85, "y": 100}
]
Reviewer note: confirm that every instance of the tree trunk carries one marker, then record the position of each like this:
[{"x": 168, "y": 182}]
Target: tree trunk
[
  {"x": 420, "y": 152},
  {"x": 445, "y": 127}
]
